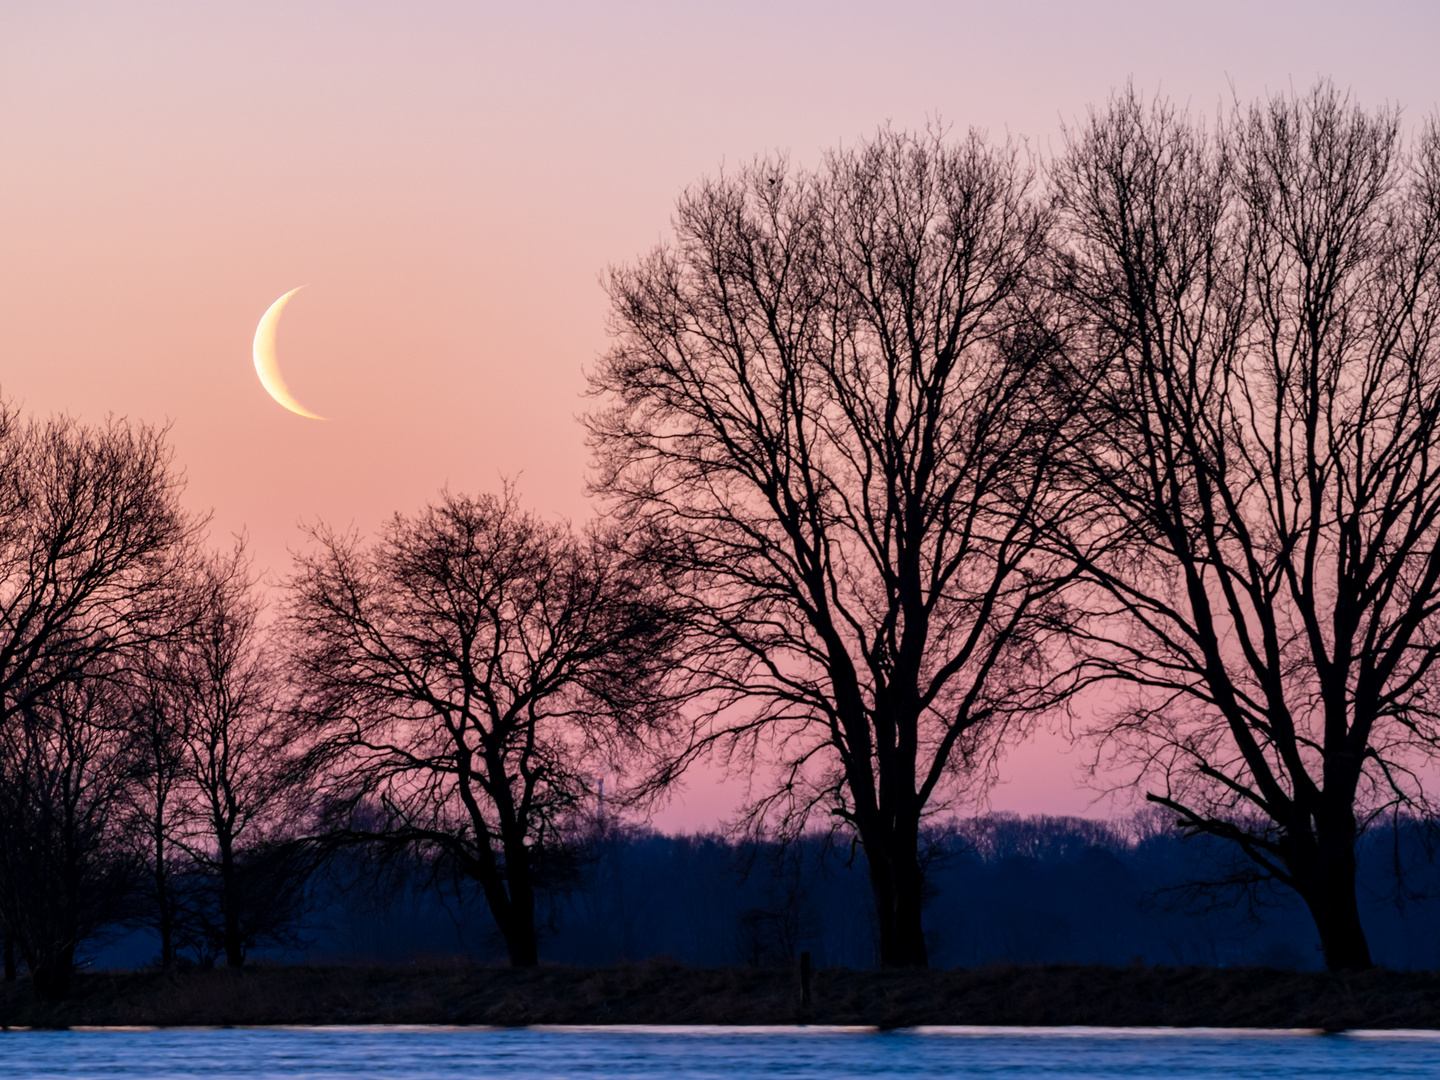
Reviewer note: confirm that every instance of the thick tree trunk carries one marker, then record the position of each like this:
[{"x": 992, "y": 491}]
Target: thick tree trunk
[
  {"x": 897, "y": 884},
  {"x": 516, "y": 926},
  {"x": 1327, "y": 884},
  {"x": 520, "y": 939},
  {"x": 1342, "y": 937},
  {"x": 510, "y": 895},
  {"x": 520, "y": 944}
]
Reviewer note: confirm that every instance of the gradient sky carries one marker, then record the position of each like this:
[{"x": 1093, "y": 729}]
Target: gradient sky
[{"x": 450, "y": 180}]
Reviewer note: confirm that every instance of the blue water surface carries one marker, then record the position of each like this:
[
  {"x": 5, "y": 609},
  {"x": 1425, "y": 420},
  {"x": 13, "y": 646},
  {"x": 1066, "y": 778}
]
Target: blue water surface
[{"x": 710, "y": 1053}]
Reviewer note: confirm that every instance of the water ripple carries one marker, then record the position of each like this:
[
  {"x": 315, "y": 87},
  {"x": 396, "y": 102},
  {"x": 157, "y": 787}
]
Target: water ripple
[{"x": 709, "y": 1053}]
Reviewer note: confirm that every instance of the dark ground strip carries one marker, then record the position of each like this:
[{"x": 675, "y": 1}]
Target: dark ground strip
[{"x": 659, "y": 993}]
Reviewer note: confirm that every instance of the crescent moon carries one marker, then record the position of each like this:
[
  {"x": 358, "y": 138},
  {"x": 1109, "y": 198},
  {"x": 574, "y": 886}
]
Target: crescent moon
[{"x": 267, "y": 365}]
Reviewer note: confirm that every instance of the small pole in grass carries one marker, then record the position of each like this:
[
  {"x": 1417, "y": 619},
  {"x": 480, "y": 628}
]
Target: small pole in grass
[{"x": 804, "y": 981}]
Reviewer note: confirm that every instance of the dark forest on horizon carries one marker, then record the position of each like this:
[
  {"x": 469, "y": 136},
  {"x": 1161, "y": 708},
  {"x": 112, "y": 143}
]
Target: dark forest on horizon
[
  {"x": 1003, "y": 890},
  {"x": 896, "y": 459}
]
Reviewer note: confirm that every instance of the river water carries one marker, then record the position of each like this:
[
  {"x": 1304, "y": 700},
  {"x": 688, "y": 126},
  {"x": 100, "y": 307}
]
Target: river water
[{"x": 711, "y": 1053}]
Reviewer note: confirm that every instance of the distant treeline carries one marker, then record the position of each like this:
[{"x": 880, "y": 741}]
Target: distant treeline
[{"x": 1004, "y": 889}]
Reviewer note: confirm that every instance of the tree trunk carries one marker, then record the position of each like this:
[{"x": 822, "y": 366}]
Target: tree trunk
[
  {"x": 515, "y": 920},
  {"x": 510, "y": 895},
  {"x": 1328, "y": 888},
  {"x": 166, "y": 915},
  {"x": 520, "y": 940},
  {"x": 9, "y": 958},
  {"x": 1342, "y": 937},
  {"x": 897, "y": 884},
  {"x": 520, "y": 944},
  {"x": 167, "y": 934},
  {"x": 230, "y": 900}
]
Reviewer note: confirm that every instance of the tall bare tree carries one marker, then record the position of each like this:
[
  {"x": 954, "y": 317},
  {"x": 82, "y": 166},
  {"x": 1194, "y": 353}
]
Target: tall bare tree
[
  {"x": 90, "y": 528},
  {"x": 471, "y": 664},
  {"x": 826, "y": 403},
  {"x": 245, "y": 766},
  {"x": 1257, "y": 313}
]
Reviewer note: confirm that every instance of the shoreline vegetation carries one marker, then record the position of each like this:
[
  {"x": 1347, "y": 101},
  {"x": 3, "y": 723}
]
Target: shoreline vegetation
[{"x": 660, "y": 992}]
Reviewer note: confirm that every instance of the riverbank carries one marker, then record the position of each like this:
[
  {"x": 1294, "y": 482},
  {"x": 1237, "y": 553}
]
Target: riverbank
[{"x": 661, "y": 993}]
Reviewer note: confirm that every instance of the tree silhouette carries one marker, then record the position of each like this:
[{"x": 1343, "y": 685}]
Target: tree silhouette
[
  {"x": 90, "y": 533},
  {"x": 470, "y": 665},
  {"x": 1256, "y": 316},
  {"x": 246, "y": 765},
  {"x": 826, "y": 406}
]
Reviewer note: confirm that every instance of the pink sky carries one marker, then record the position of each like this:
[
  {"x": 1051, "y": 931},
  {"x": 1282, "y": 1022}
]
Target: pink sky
[{"x": 450, "y": 179}]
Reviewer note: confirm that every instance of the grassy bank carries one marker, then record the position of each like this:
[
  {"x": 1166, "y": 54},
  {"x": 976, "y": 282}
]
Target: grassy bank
[{"x": 669, "y": 994}]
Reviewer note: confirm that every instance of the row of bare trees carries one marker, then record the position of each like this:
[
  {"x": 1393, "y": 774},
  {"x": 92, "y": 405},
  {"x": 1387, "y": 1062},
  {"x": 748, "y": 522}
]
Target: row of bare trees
[
  {"x": 89, "y": 533},
  {"x": 927, "y": 444},
  {"x": 175, "y": 755},
  {"x": 899, "y": 455},
  {"x": 147, "y": 759}
]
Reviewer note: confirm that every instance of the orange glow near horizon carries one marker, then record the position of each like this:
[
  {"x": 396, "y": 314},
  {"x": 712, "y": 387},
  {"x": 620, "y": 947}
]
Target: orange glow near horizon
[{"x": 452, "y": 180}]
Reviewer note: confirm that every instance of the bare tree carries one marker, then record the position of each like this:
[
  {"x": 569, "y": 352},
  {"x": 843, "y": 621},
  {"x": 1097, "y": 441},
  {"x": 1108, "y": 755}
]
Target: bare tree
[
  {"x": 1257, "y": 313},
  {"x": 471, "y": 664},
  {"x": 89, "y": 529},
  {"x": 826, "y": 403},
  {"x": 245, "y": 765}
]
